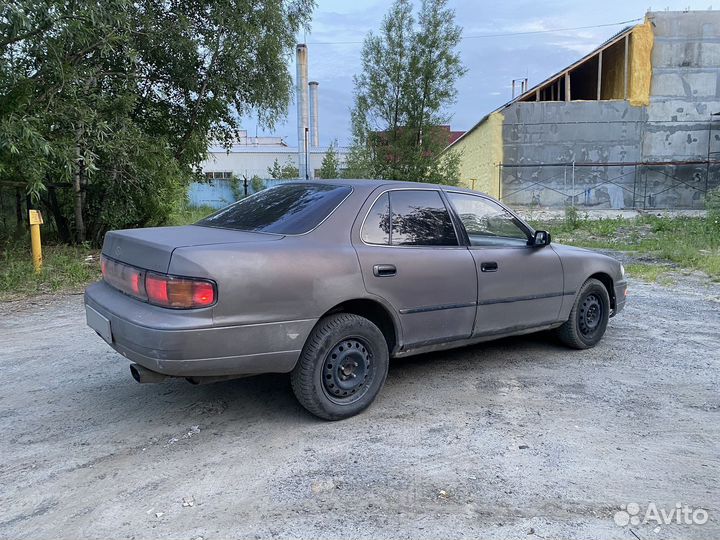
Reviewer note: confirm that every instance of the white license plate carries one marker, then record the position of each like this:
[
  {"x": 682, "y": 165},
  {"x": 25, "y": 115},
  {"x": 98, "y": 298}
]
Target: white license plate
[{"x": 99, "y": 323}]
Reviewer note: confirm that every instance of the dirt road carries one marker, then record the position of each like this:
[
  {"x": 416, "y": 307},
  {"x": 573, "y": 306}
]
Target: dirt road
[{"x": 518, "y": 438}]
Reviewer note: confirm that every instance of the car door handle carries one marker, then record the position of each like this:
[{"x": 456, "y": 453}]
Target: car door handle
[
  {"x": 489, "y": 267},
  {"x": 382, "y": 270}
]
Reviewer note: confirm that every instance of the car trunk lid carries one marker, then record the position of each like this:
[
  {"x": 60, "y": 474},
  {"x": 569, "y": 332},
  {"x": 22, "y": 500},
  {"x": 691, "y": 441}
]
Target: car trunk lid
[{"x": 152, "y": 248}]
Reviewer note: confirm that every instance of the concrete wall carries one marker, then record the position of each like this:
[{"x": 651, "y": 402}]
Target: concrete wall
[
  {"x": 559, "y": 132},
  {"x": 685, "y": 92},
  {"x": 674, "y": 87},
  {"x": 481, "y": 151}
]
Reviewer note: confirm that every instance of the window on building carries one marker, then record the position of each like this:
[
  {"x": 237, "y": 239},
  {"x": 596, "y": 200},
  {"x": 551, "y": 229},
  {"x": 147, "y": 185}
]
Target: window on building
[{"x": 218, "y": 175}]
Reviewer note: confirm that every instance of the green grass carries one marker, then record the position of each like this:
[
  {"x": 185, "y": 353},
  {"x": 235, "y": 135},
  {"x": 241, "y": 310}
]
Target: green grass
[
  {"x": 65, "y": 269},
  {"x": 653, "y": 273},
  {"x": 187, "y": 216},
  {"x": 692, "y": 243}
]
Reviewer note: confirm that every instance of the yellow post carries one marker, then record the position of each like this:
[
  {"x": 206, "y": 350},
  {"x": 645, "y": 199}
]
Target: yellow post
[{"x": 35, "y": 221}]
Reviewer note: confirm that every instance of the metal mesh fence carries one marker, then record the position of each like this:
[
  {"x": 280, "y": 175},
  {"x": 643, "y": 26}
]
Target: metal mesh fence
[{"x": 657, "y": 185}]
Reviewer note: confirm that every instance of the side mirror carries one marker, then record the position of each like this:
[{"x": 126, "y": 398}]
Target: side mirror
[{"x": 541, "y": 238}]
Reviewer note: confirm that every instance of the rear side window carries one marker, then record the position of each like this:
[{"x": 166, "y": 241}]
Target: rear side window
[
  {"x": 290, "y": 209},
  {"x": 409, "y": 218},
  {"x": 376, "y": 229}
]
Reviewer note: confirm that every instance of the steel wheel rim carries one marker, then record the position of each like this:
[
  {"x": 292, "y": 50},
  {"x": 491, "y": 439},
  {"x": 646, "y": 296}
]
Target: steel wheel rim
[
  {"x": 591, "y": 314},
  {"x": 348, "y": 370}
]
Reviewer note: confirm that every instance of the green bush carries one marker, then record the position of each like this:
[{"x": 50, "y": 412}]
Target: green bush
[
  {"x": 712, "y": 203},
  {"x": 258, "y": 184},
  {"x": 65, "y": 268},
  {"x": 572, "y": 217}
]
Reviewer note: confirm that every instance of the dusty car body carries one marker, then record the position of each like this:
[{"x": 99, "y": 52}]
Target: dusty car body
[{"x": 345, "y": 274}]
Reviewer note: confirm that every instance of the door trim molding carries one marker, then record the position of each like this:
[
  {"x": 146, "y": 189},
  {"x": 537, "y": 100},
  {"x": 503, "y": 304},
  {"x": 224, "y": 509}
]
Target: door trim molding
[
  {"x": 425, "y": 309},
  {"x": 439, "y": 307},
  {"x": 524, "y": 298}
]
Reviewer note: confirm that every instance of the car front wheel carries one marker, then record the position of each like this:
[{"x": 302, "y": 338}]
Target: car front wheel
[
  {"x": 342, "y": 367},
  {"x": 588, "y": 317}
]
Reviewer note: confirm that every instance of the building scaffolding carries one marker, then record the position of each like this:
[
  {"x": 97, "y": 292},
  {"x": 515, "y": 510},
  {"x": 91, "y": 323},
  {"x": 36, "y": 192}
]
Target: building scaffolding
[{"x": 610, "y": 185}]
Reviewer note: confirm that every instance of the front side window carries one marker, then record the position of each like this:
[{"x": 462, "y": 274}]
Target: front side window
[
  {"x": 294, "y": 208},
  {"x": 486, "y": 222},
  {"x": 409, "y": 218}
]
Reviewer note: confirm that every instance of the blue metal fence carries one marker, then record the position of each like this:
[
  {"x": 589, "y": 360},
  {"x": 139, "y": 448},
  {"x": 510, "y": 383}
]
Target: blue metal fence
[{"x": 218, "y": 193}]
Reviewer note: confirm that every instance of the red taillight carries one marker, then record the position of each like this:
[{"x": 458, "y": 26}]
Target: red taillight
[
  {"x": 177, "y": 292},
  {"x": 158, "y": 289},
  {"x": 124, "y": 277},
  {"x": 203, "y": 293}
]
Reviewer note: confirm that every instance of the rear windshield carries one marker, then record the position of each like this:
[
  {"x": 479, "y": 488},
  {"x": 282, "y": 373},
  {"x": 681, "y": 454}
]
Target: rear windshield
[{"x": 290, "y": 209}]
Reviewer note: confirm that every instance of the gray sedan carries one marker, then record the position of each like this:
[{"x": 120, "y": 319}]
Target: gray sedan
[{"x": 329, "y": 280}]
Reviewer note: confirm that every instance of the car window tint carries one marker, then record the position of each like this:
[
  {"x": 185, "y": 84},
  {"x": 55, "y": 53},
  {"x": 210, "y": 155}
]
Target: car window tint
[
  {"x": 294, "y": 208},
  {"x": 419, "y": 218},
  {"x": 376, "y": 229},
  {"x": 486, "y": 222}
]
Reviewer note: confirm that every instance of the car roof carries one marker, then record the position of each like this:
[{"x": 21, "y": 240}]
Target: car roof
[{"x": 368, "y": 185}]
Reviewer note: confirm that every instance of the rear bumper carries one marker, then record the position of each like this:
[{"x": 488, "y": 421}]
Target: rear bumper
[
  {"x": 186, "y": 343},
  {"x": 620, "y": 296}
]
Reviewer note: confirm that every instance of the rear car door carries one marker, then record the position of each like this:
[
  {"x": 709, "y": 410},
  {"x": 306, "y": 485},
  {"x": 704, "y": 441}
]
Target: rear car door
[
  {"x": 519, "y": 286},
  {"x": 411, "y": 256}
]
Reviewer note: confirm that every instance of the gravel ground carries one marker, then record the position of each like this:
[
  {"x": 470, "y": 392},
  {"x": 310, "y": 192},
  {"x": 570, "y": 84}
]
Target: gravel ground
[{"x": 517, "y": 438}]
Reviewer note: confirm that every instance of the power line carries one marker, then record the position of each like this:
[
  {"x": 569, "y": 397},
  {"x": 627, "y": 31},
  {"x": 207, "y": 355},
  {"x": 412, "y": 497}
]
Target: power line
[{"x": 509, "y": 34}]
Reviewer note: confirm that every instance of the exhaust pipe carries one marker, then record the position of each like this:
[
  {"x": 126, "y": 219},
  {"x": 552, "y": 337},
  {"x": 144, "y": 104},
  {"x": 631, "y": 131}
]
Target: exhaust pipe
[{"x": 144, "y": 375}]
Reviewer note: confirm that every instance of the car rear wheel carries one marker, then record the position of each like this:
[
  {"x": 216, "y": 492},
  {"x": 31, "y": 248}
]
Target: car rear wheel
[
  {"x": 588, "y": 317},
  {"x": 342, "y": 367}
]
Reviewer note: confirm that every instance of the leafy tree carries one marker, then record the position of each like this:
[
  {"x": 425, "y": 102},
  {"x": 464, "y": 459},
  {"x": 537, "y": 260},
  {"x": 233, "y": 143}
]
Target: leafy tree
[
  {"x": 407, "y": 81},
  {"x": 330, "y": 163},
  {"x": 287, "y": 171},
  {"x": 119, "y": 99},
  {"x": 257, "y": 183}
]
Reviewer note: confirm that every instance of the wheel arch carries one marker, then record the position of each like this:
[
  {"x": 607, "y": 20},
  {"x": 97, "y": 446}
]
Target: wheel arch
[
  {"x": 377, "y": 313},
  {"x": 607, "y": 281}
]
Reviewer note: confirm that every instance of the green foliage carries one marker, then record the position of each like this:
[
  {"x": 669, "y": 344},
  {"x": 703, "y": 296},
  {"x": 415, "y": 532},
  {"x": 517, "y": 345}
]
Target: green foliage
[
  {"x": 120, "y": 98},
  {"x": 287, "y": 171},
  {"x": 257, "y": 183},
  {"x": 330, "y": 163},
  {"x": 407, "y": 81},
  {"x": 65, "y": 268},
  {"x": 237, "y": 188},
  {"x": 649, "y": 272},
  {"x": 689, "y": 242},
  {"x": 187, "y": 215},
  {"x": 572, "y": 217},
  {"x": 359, "y": 162},
  {"x": 712, "y": 203}
]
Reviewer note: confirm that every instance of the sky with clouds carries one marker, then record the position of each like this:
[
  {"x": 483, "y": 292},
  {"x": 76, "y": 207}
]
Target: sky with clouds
[{"x": 491, "y": 62}]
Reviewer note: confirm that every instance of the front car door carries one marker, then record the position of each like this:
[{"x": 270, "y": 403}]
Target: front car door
[
  {"x": 519, "y": 286},
  {"x": 411, "y": 256}
]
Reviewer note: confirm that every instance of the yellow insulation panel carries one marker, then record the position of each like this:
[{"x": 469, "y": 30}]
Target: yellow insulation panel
[
  {"x": 640, "y": 76},
  {"x": 481, "y": 151}
]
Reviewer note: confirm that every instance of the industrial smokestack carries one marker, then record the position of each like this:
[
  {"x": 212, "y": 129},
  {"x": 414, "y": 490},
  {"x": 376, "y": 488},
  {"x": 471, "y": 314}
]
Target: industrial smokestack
[
  {"x": 314, "y": 126},
  {"x": 302, "y": 110}
]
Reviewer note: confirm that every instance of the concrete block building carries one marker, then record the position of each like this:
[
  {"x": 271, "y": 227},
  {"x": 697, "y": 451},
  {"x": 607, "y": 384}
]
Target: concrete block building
[{"x": 633, "y": 124}]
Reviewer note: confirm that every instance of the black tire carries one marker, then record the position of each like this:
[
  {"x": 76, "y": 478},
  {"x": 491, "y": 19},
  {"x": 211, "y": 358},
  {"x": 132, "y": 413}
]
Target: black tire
[
  {"x": 342, "y": 367},
  {"x": 588, "y": 318}
]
